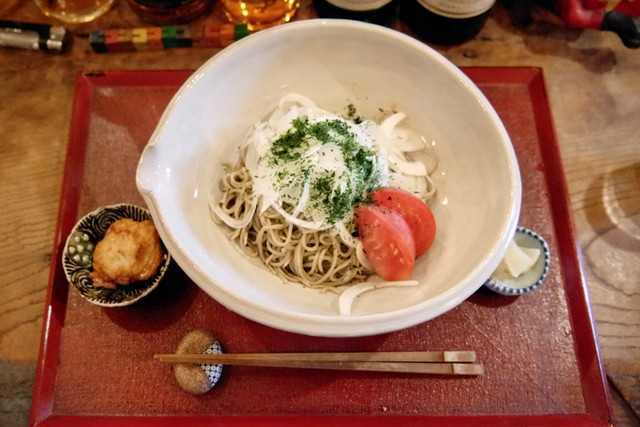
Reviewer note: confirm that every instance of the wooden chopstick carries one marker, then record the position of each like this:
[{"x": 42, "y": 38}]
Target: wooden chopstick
[
  {"x": 430, "y": 362},
  {"x": 391, "y": 356}
]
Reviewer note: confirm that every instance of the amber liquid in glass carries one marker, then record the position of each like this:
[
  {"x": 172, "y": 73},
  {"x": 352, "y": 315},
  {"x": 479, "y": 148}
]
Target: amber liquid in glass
[{"x": 258, "y": 14}]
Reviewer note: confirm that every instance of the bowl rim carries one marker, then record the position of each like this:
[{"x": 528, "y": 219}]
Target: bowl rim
[{"x": 323, "y": 324}]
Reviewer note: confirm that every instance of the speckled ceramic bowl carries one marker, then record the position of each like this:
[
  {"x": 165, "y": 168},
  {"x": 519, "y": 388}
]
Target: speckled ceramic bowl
[
  {"x": 477, "y": 204},
  {"x": 531, "y": 279},
  {"x": 78, "y": 255}
]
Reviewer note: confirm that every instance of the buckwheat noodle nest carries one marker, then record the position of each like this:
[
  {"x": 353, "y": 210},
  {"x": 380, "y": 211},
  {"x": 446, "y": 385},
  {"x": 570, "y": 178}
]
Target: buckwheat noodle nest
[
  {"x": 294, "y": 242},
  {"x": 317, "y": 259}
]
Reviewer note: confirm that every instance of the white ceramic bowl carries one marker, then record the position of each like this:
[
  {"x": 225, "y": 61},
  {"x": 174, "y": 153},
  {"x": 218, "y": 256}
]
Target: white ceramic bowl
[{"x": 335, "y": 63}]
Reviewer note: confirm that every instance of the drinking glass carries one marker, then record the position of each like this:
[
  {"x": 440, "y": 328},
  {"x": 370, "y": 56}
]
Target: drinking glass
[
  {"x": 74, "y": 11},
  {"x": 259, "y": 14}
]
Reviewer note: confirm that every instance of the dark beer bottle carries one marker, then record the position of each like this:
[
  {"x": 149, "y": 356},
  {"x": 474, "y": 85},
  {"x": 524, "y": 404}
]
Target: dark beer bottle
[{"x": 445, "y": 22}]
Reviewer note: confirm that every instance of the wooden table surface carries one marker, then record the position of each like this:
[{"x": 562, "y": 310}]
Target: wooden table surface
[{"x": 594, "y": 89}]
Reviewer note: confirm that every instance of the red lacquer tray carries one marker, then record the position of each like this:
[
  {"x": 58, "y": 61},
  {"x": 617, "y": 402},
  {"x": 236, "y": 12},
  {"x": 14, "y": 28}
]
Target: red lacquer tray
[{"x": 96, "y": 365}]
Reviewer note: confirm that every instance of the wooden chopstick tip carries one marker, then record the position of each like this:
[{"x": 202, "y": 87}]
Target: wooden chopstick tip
[{"x": 468, "y": 369}]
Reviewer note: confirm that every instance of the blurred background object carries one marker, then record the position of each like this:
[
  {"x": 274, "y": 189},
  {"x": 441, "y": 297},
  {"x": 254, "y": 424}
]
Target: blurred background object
[
  {"x": 259, "y": 14},
  {"x": 619, "y": 16},
  {"x": 445, "y": 22},
  {"x": 375, "y": 11},
  {"x": 7, "y": 6},
  {"x": 74, "y": 11},
  {"x": 162, "y": 12}
]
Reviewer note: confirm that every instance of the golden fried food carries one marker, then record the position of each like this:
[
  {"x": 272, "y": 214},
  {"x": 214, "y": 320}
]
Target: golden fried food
[{"x": 130, "y": 251}]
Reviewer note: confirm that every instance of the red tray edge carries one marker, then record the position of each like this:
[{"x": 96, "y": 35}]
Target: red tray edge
[
  {"x": 592, "y": 370},
  {"x": 595, "y": 390},
  {"x": 321, "y": 421}
]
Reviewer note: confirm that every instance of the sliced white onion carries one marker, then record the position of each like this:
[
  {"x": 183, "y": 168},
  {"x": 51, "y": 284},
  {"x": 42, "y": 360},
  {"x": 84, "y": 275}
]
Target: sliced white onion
[
  {"x": 310, "y": 225},
  {"x": 346, "y": 237},
  {"x": 407, "y": 167},
  {"x": 417, "y": 185},
  {"x": 313, "y": 150},
  {"x": 425, "y": 158},
  {"x": 362, "y": 257},
  {"x": 251, "y": 158},
  {"x": 348, "y": 296},
  {"x": 302, "y": 202},
  {"x": 345, "y": 301},
  {"x": 296, "y": 98},
  {"x": 391, "y": 122},
  {"x": 235, "y": 222},
  {"x": 408, "y": 141}
]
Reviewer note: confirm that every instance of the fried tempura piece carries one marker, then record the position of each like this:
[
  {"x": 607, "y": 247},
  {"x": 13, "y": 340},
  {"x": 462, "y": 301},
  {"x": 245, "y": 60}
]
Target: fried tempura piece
[{"x": 130, "y": 251}]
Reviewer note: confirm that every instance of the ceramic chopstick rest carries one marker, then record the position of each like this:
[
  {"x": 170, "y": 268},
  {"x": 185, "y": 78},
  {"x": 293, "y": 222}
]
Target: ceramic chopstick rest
[{"x": 198, "y": 378}]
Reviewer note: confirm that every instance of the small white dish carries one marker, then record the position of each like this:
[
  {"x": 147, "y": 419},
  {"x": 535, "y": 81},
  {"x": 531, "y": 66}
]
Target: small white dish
[{"x": 504, "y": 284}]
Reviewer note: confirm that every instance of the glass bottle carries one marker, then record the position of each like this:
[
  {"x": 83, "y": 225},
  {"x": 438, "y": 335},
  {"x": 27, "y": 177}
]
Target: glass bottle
[
  {"x": 445, "y": 22},
  {"x": 380, "y": 12}
]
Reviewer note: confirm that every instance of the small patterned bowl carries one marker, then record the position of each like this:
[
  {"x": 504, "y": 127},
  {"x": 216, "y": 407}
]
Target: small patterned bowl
[
  {"x": 77, "y": 257},
  {"x": 531, "y": 279}
]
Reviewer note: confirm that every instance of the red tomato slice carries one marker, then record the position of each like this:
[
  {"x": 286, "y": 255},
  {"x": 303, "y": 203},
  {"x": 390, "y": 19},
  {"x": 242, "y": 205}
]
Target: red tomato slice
[
  {"x": 416, "y": 212},
  {"x": 387, "y": 241}
]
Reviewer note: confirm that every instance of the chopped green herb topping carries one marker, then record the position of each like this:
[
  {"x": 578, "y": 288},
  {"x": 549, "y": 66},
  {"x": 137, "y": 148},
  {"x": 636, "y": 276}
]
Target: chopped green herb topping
[
  {"x": 333, "y": 190},
  {"x": 351, "y": 114},
  {"x": 291, "y": 145}
]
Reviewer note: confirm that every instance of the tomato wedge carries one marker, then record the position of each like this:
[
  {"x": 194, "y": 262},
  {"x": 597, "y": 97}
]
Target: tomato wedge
[
  {"x": 387, "y": 241},
  {"x": 415, "y": 212}
]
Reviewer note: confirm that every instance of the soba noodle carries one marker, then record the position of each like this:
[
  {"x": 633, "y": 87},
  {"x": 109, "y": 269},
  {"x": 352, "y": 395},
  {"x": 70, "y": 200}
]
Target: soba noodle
[
  {"x": 318, "y": 259},
  {"x": 293, "y": 236}
]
